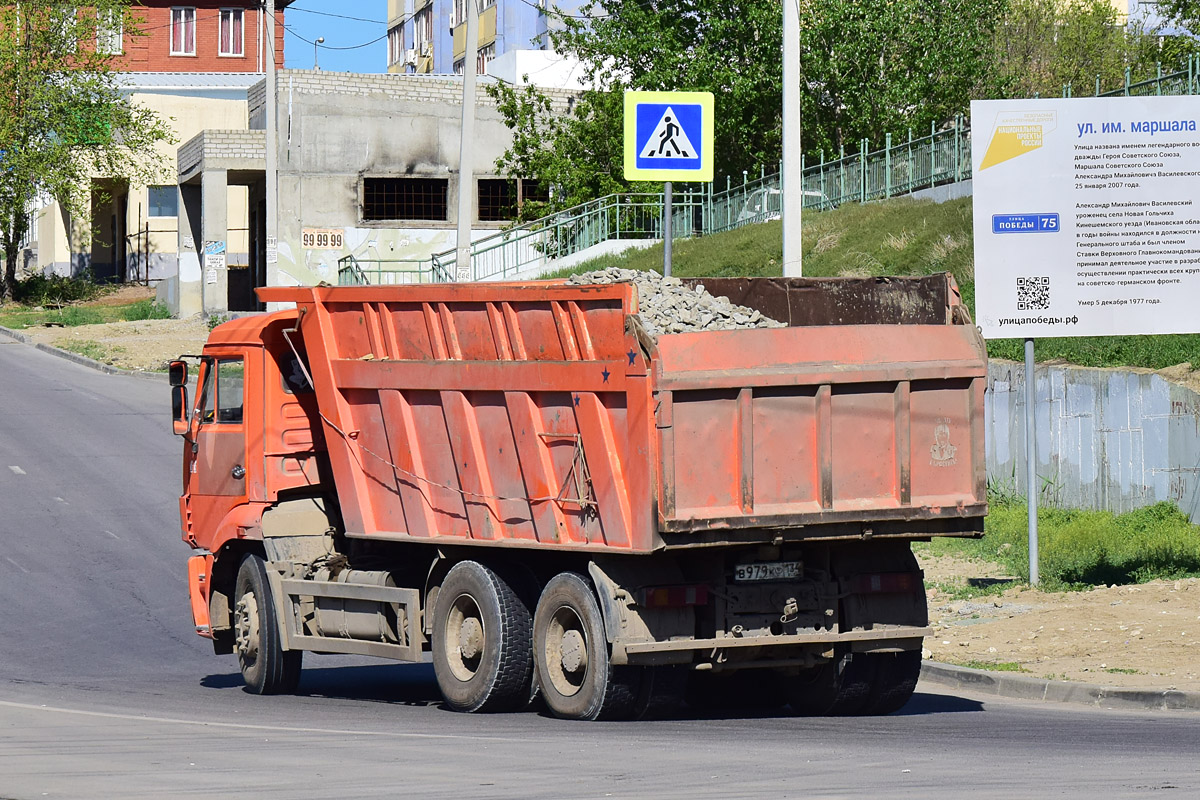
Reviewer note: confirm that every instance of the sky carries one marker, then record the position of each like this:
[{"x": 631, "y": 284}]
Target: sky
[{"x": 355, "y": 34}]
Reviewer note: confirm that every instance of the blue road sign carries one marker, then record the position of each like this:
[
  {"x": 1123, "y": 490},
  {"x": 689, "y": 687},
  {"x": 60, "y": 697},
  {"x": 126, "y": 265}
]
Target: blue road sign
[{"x": 668, "y": 136}]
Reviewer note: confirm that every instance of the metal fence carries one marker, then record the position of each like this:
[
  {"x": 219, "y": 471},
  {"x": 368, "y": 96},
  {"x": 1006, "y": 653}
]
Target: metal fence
[{"x": 898, "y": 168}]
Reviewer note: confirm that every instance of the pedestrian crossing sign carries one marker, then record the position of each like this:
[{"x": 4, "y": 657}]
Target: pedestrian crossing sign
[{"x": 669, "y": 136}]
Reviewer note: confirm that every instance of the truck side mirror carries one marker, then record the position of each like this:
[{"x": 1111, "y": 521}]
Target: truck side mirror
[
  {"x": 179, "y": 410},
  {"x": 177, "y": 373}
]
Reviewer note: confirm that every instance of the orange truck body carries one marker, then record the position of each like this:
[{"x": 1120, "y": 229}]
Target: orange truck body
[{"x": 540, "y": 417}]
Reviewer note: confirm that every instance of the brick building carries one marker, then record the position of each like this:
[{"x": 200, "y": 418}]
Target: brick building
[
  {"x": 193, "y": 66},
  {"x": 214, "y": 36}
]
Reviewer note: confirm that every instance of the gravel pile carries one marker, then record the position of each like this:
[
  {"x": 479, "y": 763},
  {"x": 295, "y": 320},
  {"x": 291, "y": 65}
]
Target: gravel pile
[{"x": 667, "y": 306}]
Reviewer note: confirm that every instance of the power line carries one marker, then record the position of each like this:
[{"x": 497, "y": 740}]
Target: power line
[
  {"x": 339, "y": 16},
  {"x": 292, "y": 31}
]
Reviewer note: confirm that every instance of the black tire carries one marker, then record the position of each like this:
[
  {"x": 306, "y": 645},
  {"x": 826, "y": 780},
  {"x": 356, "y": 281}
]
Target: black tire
[
  {"x": 838, "y": 688},
  {"x": 895, "y": 681},
  {"x": 266, "y": 667},
  {"x": 577, "y": 678},
  {"x": 482, "y": 643}
]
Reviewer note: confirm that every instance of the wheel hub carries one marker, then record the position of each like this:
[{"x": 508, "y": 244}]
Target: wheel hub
[
  {"x": 470, "y": 638},
  {"x": 574, "y": 652},
  {"x": 246, "y": 625}
]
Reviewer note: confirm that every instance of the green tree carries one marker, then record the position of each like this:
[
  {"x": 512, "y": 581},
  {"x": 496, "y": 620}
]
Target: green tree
[
  {"x": 64, "y": 119},
  {"x": 1184, "y": 13},
  {"x": 1044, "y": 45},
  {"x": 868, "y": 67},
  {"x": 577, "y": 154}
]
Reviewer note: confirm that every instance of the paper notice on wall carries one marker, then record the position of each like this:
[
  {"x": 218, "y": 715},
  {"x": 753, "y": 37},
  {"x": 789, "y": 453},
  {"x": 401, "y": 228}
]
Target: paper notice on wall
[
  {"x": 272, "y": 250},
  {"x": 213, "y": 264}
]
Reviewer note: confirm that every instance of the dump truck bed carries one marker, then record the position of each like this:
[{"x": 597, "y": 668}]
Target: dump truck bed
[{"x": 542, "y": 415}]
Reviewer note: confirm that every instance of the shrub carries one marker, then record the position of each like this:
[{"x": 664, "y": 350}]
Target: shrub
[
  {"x": 145, "y": 309},
  {"x": 40, "y": 290},
  {"x": 1091, "y": 547}
]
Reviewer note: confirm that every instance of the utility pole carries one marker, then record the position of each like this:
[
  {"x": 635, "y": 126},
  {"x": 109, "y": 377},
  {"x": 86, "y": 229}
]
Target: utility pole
[
  {"x": 272, "y": 146},
  {"x": 466, "y": 146},
  {"x": 793, "y": 175}
]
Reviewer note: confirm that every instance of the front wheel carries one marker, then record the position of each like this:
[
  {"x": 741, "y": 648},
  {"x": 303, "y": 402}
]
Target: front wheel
[
  {"x": 266, "y": 667},
  {"x": 570, "y": 649}
]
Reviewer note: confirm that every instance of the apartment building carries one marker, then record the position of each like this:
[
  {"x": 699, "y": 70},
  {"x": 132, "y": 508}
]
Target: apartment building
[{"x": 429, "y": 36}]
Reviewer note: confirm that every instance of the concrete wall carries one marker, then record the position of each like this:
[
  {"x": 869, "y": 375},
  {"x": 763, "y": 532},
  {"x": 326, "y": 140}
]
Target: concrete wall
[
  {"x": 337, "y": 129},
  {"x": 945, "y": 192},
  {"x": 1108, "y": 439}
]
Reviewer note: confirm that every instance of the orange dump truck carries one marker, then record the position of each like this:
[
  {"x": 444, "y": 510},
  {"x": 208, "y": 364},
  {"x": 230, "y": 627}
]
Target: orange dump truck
[{"x": 523, "y": 481}]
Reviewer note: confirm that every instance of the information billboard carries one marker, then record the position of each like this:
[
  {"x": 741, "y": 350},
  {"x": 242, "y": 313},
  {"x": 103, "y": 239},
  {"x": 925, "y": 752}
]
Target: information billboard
[{"x": 1087, "y": 216}]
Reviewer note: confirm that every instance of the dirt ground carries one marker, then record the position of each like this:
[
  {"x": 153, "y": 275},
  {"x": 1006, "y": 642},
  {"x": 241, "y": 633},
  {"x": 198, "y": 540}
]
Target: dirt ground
[
  {"x": 142, "y": 346},
  {"x": 1144, "y": 636},
  {"x": 1131, "y": 636}
]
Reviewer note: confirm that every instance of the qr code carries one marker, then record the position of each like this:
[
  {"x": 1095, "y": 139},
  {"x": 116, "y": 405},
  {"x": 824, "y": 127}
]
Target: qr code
[{"x": 1033, "y": 294}]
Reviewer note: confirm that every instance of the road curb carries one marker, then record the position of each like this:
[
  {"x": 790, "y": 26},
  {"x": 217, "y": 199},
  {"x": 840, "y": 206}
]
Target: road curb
[
  {"x": 1025, "y": 687},
  {"x": 91, "y": 363}
]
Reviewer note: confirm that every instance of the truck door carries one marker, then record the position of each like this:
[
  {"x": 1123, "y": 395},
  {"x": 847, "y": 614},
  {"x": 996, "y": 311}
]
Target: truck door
[{"x": 217, "y": 480}]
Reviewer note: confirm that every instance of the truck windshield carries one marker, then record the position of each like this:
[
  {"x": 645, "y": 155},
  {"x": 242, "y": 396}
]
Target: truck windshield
[{"x": 225, "y": 404}]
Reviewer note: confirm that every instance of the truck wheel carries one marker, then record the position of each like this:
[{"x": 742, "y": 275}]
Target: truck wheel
[
  {"x": 266, "y": 667},
  {"x": 570, "y": 650},
  {"x": 895, "y": 680},
  {"x": 839, "y": 688},
  {"x": 482, "y": 653}
]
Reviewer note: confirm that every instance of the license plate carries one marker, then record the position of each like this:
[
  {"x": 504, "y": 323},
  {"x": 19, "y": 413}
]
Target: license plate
[{"x": 769, "y": 571}]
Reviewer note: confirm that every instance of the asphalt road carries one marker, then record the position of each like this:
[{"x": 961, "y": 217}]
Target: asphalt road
[{"x": 105, "y": 692}]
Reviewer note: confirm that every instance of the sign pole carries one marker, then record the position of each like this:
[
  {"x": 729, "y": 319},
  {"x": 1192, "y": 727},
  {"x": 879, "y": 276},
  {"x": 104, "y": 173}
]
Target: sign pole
[
  {"x": 667, "y": 232},
  {"x": 1031, "y": 462},
  {"x": 271, "y": 155},
  {"x": 793, "y": 171},
  {"x": 466, "y": 148}
]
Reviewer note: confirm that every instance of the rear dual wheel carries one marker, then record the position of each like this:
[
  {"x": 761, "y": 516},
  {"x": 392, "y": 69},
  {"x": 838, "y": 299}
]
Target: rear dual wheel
[
  {"x": 856, "y": 684},
  {"x": 575, "y": 671}
]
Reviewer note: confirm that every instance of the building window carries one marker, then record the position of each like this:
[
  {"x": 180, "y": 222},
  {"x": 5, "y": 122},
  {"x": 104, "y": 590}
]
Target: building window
[
  {"x": 233, "y": 42},
  {"x": 396, "y": 45},
  {"x": 423, "y": 26},
  {"x": 164, "y": 201},
  {"x": 484, "y": 56},
  {"x": 110, "y": 33},
  {"x": 532, "y": 191},
  {"x": 65, "y": 20},
  {"x": 404, "y": 198},
  {"x": 183, "y": 31},
  {"x": 499, "y": 198},
  {"x": 496, "y": 199}
]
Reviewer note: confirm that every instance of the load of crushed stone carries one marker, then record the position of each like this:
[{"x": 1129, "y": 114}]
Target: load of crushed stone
[{"x": 667, "y": 306}]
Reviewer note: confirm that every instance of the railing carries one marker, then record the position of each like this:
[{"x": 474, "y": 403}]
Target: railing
[
  {"x": 526, "y": 248},
  {"x": 898, "y": 168},
  {"x": 354, "y": 271}
]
